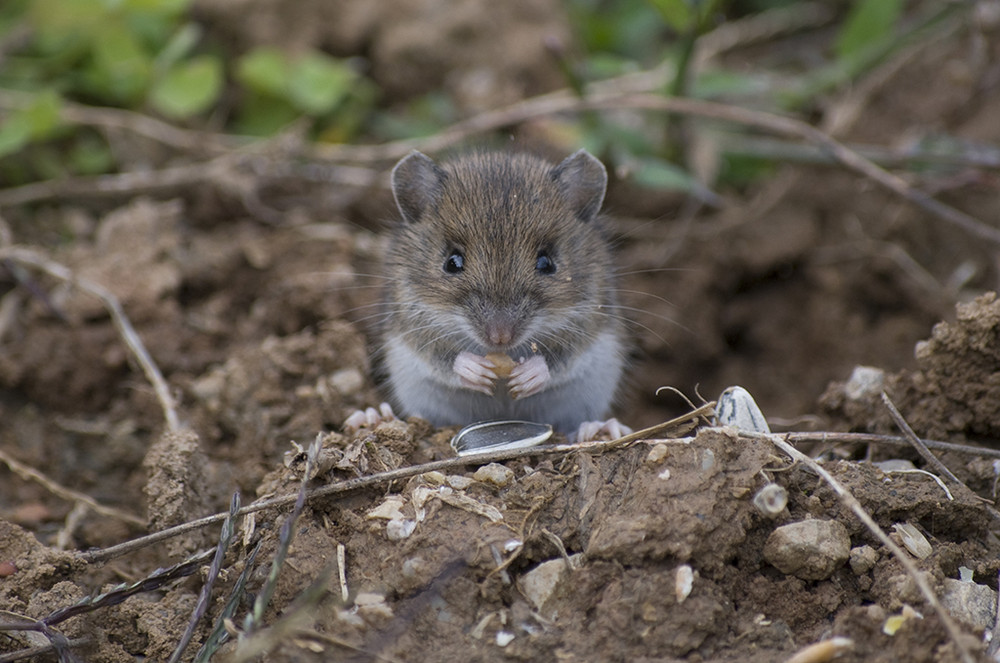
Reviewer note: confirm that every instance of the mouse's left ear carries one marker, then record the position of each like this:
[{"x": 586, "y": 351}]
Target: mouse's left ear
[
  {"x": 416, "y": 184},
  {"x": 583, "y": 181}
]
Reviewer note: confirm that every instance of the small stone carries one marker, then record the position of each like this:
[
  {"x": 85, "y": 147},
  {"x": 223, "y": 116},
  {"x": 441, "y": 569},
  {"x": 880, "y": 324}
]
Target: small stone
[
  {"x": 809, "y": 549},
  {"x": 865, "y": 382},
  {"x": 657, "y": 453},
  {"x": 459, "y": 482},
  {"x": 7, "y": 568},
  {"x": 539, "y": 583},
  {"x": 863, "y": 559},
  {"x": 970, "y": 603},
  {"x": 494, "y": 473},
  {"x": 399, "y": 529},
  {"x": 347, "y": 381}
]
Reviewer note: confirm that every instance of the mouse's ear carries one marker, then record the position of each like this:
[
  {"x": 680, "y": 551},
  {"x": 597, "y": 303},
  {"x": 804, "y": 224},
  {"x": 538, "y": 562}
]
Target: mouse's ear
[
  {"x": 416, "y": 184},
  {"x": 583, "y": 181}
]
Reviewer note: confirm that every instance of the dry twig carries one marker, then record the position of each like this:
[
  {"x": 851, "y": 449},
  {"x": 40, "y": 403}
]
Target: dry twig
[
  {"x": 31, "y": 474},
  {"x": 125, "y": 329}
]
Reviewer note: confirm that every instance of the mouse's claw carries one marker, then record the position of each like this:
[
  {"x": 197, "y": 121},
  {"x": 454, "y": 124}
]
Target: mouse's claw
[
  {"x": 589, "y": 430},
  {"x": 475, "y": 372},
  {"x": 528, "y": 377},
  {"x": 369, "y": 417}
]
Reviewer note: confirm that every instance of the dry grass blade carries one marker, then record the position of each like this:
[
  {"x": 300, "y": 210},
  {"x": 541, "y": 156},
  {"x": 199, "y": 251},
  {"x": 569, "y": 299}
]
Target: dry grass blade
[
  {"x": 852, "y": 503},
  {"x": 57, "y": 641},
  {"x": 31, "y": 474},
  {"x": 225, "y": 538},
  {"x": 299, "y": 615},
  {"x": 871, "y": 438},
  {"x": 118, "y": 317},
  {"x": 921, "y": 448},
  {"x": 219, "y": 634},
  {"x": 33, "y": 652},
  {"x": 119, "y": 593},
  {"x": 284, "y": 542}
]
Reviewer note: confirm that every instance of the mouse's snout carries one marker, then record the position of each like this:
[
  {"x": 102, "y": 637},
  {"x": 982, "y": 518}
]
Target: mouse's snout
[{"x": 501, "y": 328}]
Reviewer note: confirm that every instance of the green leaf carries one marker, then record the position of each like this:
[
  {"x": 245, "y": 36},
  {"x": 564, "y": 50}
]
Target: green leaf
[
  {"x": 868, "y": 22},
  {"x": 189, "y": 88},
  {"x": 34, "y": 122},
  {"x": 264, "y": 70},
  {"x": 264, "y": 115},
  {"x": 659, "y": 174},
  {"x": 121, "y": 69},
  {"x": 678, "y": 14},
  {"x": 90, "y": 155},
  {"x": 318, "y": 83},
  {"x": 15, "y": 133},
  {"x": 43, "y": 114},
  {"x": 163, "y": 7}
]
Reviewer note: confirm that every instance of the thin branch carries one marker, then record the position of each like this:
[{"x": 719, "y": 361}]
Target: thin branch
[
  {"x": 132, "y": 183},
  {"x": 890, "y": 440},
  {"x": 916, "y": 443},
  {"x": 118, "y": 317},
  {"x": 31, "y": 474},
  {"x": 137, "y": 123}
]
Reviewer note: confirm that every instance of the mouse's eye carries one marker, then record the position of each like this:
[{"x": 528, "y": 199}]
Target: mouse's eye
[
  {"x": 455, "y": 263},
  {"x": 545, "y": 264}
]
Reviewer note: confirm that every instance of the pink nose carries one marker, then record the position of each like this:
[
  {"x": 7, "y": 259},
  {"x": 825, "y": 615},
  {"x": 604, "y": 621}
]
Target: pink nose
[{"x": 500, "y": 332}]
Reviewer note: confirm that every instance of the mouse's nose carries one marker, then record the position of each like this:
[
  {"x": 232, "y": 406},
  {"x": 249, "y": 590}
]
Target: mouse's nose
[
  {"x": 500, "y": 332},
  {"x": 500, "y": 327}
]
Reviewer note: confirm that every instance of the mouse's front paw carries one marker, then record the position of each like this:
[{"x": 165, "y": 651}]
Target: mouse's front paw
[
  {"x": 589, "y": 430},
  {"x": 475, "y": 372},
  {"x": 528, "y": 377},
  {"x": 369, "y": 417}
]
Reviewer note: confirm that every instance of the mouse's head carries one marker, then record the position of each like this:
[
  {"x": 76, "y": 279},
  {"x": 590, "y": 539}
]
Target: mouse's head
[{"x": 506, "y": 250}]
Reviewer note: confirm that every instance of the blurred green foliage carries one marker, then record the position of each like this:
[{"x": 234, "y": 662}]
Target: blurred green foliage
[
  {"x": 152, "y": 57},
  {"x": 148, "y": 55}
]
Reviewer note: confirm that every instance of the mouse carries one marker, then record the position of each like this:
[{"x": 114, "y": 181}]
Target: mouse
[{"x": 501, "y": 300}]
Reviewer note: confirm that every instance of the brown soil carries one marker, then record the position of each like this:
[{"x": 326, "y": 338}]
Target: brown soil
[{"x": 260, "y": 331}]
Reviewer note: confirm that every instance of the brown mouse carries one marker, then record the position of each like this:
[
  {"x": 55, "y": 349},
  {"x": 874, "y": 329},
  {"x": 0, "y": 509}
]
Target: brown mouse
[{"x": 501, "y": 300}]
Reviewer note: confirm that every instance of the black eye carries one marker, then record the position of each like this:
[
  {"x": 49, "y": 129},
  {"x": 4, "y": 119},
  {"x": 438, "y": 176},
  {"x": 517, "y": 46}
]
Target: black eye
[
  {"x": 545, "y": 264},
  {"x": 455, "y": 263}
]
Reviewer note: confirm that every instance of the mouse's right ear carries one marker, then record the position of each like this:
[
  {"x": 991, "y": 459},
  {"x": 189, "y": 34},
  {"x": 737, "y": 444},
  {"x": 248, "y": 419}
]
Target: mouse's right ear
[{"x": 416, "y": 185}]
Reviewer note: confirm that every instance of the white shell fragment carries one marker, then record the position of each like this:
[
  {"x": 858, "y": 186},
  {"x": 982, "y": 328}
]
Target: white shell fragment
[
  {"x": 771, "y": 500},
  {"x": 823, "y": 651},
  {"x": 913, "y": 540},
  {"x": 504, "y": 638},
  {"x": 499, "y": 436},
  {"x": 683, "y": 582},
  {"x": 737, "y": 408}
]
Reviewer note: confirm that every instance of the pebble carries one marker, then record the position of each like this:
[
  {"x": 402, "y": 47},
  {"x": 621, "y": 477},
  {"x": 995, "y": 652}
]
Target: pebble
[
  {"x": 809, "y": 549},
  {"x": 970, "y": 602},
  {"x": 863, "y": 559},
  {"x": 865, "y": 382},
  {"x": 540, "y": 583},
  {"x": 494, "y": 473}
]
